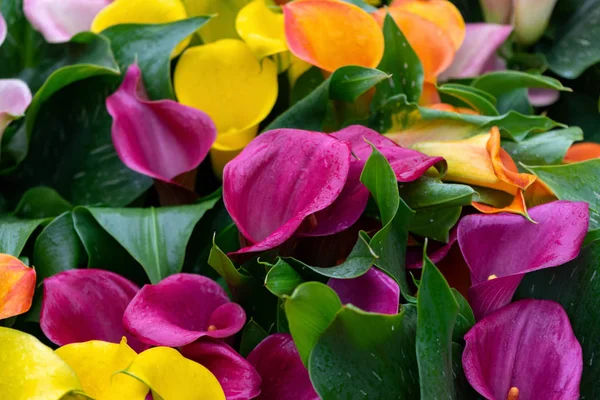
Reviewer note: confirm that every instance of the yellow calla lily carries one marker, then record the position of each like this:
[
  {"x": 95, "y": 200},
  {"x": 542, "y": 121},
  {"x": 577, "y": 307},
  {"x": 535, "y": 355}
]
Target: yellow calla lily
[
  {"x": 261, "y": 28},
  {"x": 222, "y": 25},
  {"x": 31, "y": 370},
  {"x": 226, "y": 81},
  {"x": 141, "y": 12}
]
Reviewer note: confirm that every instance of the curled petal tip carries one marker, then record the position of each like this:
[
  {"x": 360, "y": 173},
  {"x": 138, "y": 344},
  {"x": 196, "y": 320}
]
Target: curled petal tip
[{"x": 17, "y": 284}]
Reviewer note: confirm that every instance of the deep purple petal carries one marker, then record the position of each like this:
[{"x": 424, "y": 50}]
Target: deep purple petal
[
  {"x": 502, "y": 245},
  {"x": 279, "y": 179},
  {"x": 373, "y": 292},
  {"x": 528, "y": 345},
  {"x": 86, "y": 304},
  {"x": 180, "y": 309},
  {"x": 541, "y": 97},
  {"x": 435, "y": 251},
  {"x": 480, "y": 45},
  {"x": 284, "y": 377},
  {"x": 161, "y": 139},
  {"x": 239, "y": 379}
]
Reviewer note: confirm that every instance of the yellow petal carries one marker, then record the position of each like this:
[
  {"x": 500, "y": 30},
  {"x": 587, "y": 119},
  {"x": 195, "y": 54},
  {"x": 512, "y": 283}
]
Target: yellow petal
[
  {"x": 97, "y": 364},
  {"x": 172, "y": 376},
  {"x": 261, "y": 29},
  {"x": 17, "y": 284},
  {"x": 31, "y": 370},
  {"x": 225, "y": 80},
  {"x": 141, "y": 12},
  {"x": 331, "y": 34},
  {"x": 222, "y": 25}
]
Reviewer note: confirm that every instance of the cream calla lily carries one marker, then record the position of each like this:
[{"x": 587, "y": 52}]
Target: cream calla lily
[{"x": 261, "y": 28}]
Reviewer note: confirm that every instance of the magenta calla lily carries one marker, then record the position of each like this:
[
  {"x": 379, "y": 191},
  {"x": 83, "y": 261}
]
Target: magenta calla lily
[
  {"x": 373, "y": 292},
  {"x": 146, "y": 134},
  {"x": 286, "y": 177},
  {"x": 86, "y": 304},
  {"x": 527, "y": 349},
  {"x": 488, "y": 244},
  {"x": 239, "y": 379},
  {"x": 60, "y": 20},
  {"x": 181, "y": 309},
  {"x": 284, "y": 377}
]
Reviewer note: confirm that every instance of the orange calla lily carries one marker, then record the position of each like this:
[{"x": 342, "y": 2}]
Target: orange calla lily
[
  {"x": 330, "y": 34},
  {"x": 581, "y": 152},
  {"x": 17, "y": 284}
]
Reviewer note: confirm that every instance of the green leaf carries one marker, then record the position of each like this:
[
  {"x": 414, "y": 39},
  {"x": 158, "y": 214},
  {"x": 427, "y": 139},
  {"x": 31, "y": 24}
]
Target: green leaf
[
  {"x": 435, "y": 223},
  {"x": 501, "y": 82},
  {"x": 545, "y": 148},
  {"x": 155, "y": 237},
  {"x": 465, "y": 319},
  {"x": 306, "y": 83},
  {"x": 576, "y": 286},
  {"x": 428, "y": 192},
  {"x": 366, "y": 356},
  {"x": 516, "y": 100},
  {"x": 58, "y": 248},
  {"x": 437, "y": 312},
  {"x": 41, "y": 202},
  {"x": 401, "y": 62},
  {"x": 236, "y": 281},
  {"x": 282, "y": 279},
  {"x": 577, "y": 46},
  {"x": 391, "y": 240},
  {"x": 14, "y": 233},
  {"x": 475, "y": 99},
  {"x": 575, "y": 182},
  {"x": 309, "y": 311},
  {"x": 349, "y": 83},
  {"x": 151, "y": 47},
  {"x": 252, "y": 335}
]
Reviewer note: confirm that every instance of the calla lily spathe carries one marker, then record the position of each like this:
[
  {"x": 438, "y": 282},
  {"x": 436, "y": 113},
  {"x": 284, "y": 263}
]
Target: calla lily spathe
[
  {"x": 17, "y": 284},
  {"x": 261, "y": 28},
  {"x": 15, "y": 95},
  {"x": 582, "y": 152}
]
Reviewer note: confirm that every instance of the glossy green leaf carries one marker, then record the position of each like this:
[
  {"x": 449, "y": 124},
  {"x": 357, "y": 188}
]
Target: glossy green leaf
[
  {"x": 465, "y": 319},
  {"x": 151, "y": 47},
  {"x": 14, "y": 233},
  {"x": 225, "y": 268},
  {"x": 349, "y": 83},
  {"x": 282, "y": 279},
  {"x": 155, "y": 237},
  {"x": 516, "y": 100},
  {"x": 389, "y": 243},
  {"x": 306, "y": 84},
  {"x": 252, "y": 335},
  {"x": 575, "y": 182},
  {"x": 401, "y": 62},
  {"x": 366, "y": 356},
  {"x": 498, "y": 83},
  {"x": 545, "y": 148},
  {"x": 473, "y": 98},
  {"x": 464, "y": 391},
  {"x": 428, "y": 192},
  {"x": 437, "y": 312},
  {"x": 41, "y": 202},
  {"x": 435, "y": 223},
  {"x": 309, "y": 311}
]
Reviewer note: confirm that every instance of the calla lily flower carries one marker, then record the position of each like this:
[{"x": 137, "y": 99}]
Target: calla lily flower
[
  {"x": 261, "y": 28},
  {"x": 581, "y": 152},
  {"x": 222, "y": 23},
  {"x": 146, "y": 134},
  {"x": 284, "y": 377},
  {"x": 141, "y": 12},
  {"x": 181, "y": 309},
  {"x": 17, "y": 284},
  {"x": 373, "y": 292},
  {"x": 488, "y": 244},
  {"x": 238, "y": 378},
  {"x": 226, "y": 81},
  {"x": 319, "y": 194},
  {"x": 15, "y": 97},
  {"x": 318, "y": 32},
  {"x": 526, "y": 350},
  {"x": 2, "y": 29},
  {"x": 86, "y": 304},
  {"x": 59, "y": 21}
]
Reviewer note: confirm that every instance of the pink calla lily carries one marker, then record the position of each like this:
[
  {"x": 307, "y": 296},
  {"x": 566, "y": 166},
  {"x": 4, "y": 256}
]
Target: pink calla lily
[
  {"x": 15, "y": 97},
  {"x": 2, "y": 29},
  {"x": 526, "y": 350}
]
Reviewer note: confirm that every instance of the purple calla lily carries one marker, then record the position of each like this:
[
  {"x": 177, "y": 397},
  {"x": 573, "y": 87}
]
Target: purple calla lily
[
  {"x": 87, "y": 304},
  {"x": 284, "y": 377},
  {"x": 181, "y": 309},
  {"x": 146, "y": 134},
  {"x": 488, "y": 244},
  {"x": 526, "y": 350},
  {"x": 238, "y": 378},
  {"x": 373, "y": 292}
]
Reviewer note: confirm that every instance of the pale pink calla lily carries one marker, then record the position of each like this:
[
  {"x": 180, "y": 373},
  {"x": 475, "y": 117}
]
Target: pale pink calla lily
[
  {"x": 2, "y": 29},
  {"x": 60, "y": 20},
  {"x": 161, "y": 139},
  {"x": 15, "y": 97},
  {"x": 501, "y": 248},
  {"x": 79, "y": 305},
  {"x": 181, "y": 309},
  {"x": 526, "y": 350},
  {"x": 284, "y": 377},
  {"x": 373, "y": 292},
  {"x": 542, "y": 97}
]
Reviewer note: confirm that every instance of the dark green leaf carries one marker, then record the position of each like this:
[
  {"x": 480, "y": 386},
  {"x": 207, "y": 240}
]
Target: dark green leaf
[
  {"x": 544, "y": 148},
  {"x": 516, "y": 100},
  {"x": 347, "y": 84},
  {"x": 435, "y": 223},
  {"x": 14, "y": 233},
  {"x": 475, "y": 99},
  {"x": 464, "y": 390},
  {"x": 252, "y": 335},
  {"x": 282, "y": 279},
  {"x": 432, "y": 193},
  {"x": 465, "y": 319},
  {"x": 236, "y": 281},
  {"x": 41, "y": 202},
  {"x": 498, "y": 83},
  {"x": 306, "y": 83}
]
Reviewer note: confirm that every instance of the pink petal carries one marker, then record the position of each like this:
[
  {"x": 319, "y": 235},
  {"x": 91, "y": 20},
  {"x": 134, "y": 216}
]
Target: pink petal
[
  {"x": 60, "y": 20},
  {"x": 86, "y": 304},
  {"x": 239, "y": 379},
  {"x": 161, "y": 139},
  {"x": 2, "y": 29},
  {"x": 408, "y": 165},
  {"x": 181, "y": 309},
  {"x": 479, "y": 47},
  {"x": 15, "y": 97},
  {"x": 435, "y": 251},
  {"x": 373, "y": 292},
  {"x": 283, "y": 374},
  {"x": 528, "y": 345},
  {"x": 279, "y": 179},
  {"x": 540, "y": 97},
  {"x": 506, "y": 246}
]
